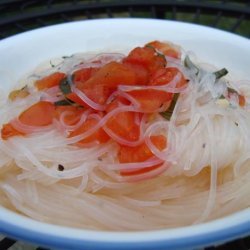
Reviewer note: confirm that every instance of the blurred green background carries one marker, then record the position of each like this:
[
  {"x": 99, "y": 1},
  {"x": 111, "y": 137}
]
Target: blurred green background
[{"x": 20, "y": 15}]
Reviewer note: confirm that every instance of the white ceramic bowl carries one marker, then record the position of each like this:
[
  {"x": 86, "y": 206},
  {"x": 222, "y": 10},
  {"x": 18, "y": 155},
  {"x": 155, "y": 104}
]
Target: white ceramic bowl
[{"x": 22, "y": 53}]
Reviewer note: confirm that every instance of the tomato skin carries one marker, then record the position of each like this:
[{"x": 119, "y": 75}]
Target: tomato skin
[
  {"x": 242, "y": 100},
  {"x": 165, "y": 48},
  {"x": 123, "y": 124},
  {"x": 100, "y": 135},
  {"x": 140, "y": 153},
  {"x": 50, "y": 81}
]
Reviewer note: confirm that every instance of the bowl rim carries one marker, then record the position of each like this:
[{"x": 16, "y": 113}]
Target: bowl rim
[
  {"x": 212, "y": 232},
  {"x": 220, "y": 230}
]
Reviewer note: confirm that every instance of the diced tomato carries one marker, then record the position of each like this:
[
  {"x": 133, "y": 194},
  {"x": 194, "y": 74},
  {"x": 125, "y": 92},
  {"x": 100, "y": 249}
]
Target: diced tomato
[
  {"x": 100, "y": 135},
  {"x": 73, "y": 114},
  {"x": 164, "y": 76},
  {"x": 142, "y": 75},
  {"x": 242, "y": 100},
  {"x": 103, "y": 82},
  {"x": 151, "y": 100},
  {"x": 75, "y": 98},
  {"x": 8, "y": 131},
  {"x": 97, "y": 93},
  {"x": 39, "y": 114},
  {"x": 82, "y": 75},
  {"x": 112, "y": 75},
  {"x": 140, "y": 153},
  {"x": 50, "y": 81},
  {"x": 146, "y": 57},
  {"x": 165, "y": 48},
  {"x": 123, "y": 124}
]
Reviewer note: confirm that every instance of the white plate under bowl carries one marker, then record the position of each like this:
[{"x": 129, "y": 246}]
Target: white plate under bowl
[{"x": 20, "y": 54}]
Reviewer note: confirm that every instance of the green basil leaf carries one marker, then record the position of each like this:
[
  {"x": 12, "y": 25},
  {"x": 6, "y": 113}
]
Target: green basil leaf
[
  {"x": 64, "y": 86},
  {"x": 168, "y": 113},
  {"x": 220, "y": 73},
  {"x": 65, "y": 102}
]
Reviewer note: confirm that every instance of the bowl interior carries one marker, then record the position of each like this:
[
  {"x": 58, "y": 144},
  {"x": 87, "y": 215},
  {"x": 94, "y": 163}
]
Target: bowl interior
[{"x": 20, "y": 54}]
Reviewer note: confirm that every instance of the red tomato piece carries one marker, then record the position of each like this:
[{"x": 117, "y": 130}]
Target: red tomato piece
[
  {"x": 123, "y": 124},
  {"x": 142, "y": 75},
  {"x": 166, "y": 75},
  {"x": 82, "y": 75},
  {"x": 140, "y": 153},
  {"x": 112, "y": 75},
  {"x": 165, "y": 48},
  {"x": 146, "y": 57},
  {"x": 100, "y": 135},
  {"x": 73, "y": 114},
  {"x": 39, "y": 114},
  {"x": 50, "y": 81},
  {"x": 242, "y": 100},
  {"x": 103, "y": 82},
  {"x": 8, "y": 131},
  {"x": 151, "y": 100}
]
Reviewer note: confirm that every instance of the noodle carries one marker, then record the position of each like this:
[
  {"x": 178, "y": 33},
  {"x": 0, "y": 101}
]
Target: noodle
[{"x": 177, "y": 167}]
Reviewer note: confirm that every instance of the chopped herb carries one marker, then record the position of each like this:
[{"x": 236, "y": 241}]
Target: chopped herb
[
  {"x": 65, "y": 102},
  {"x": 149, "y": 46},
  {"x": 51, "y": 64},
  {"x": 220, "y": 73},
  {"x": 156, "y": 51},
  {"x": 60, "y": 167},
  {"x": 65, "y": 86},
  {"x": 168, "y": 113},
  {"x": 65, "y": 57},
  {"x": 189, "y": 64},
  {"x": 203, "y": 145},
  {"x": 236, "y": 123},
  {"x": 232, "y": 91}
]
